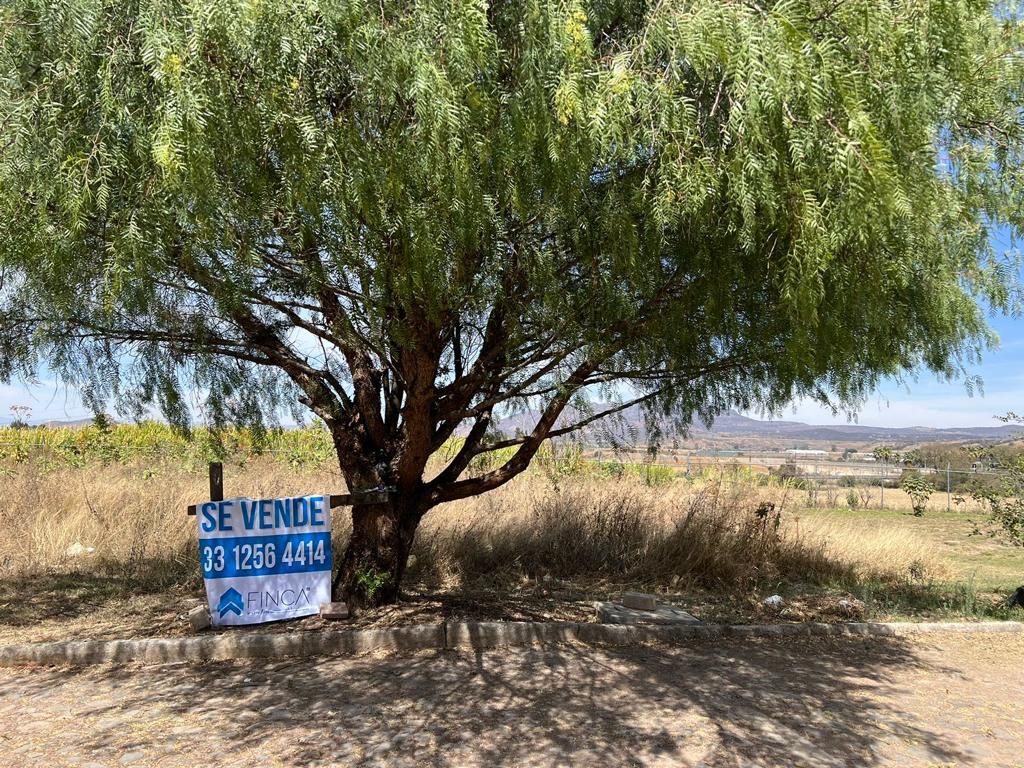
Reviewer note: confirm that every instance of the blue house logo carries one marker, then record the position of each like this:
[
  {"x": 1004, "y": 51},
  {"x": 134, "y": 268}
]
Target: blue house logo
[{"x": 231, "y": 602}]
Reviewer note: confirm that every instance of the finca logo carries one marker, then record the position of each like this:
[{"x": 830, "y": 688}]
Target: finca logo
[{"x": 231, "y": 602}]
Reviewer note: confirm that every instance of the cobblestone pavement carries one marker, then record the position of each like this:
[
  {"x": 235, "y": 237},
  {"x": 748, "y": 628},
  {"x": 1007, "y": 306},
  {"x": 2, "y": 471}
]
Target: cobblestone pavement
[{"x": 928, "y": 701}]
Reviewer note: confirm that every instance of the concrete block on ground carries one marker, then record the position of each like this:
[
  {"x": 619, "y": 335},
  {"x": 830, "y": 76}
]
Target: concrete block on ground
[
  {"x": 490, "y": 634},
  {"x": 253, "y": 646},
  {"x": 618, "y": 613},
  {"x": 414, "y": 638},
  {"x": 639, "y": 601},
  {"x": 333, "y": 611},
  {"x": 199, "y": 618},
  {"x": 857, "y": 628},
  {"x": 745, "y": 630}
]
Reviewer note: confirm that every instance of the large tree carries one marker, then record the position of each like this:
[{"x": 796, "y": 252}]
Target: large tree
[{"x": 413, "y": 217}]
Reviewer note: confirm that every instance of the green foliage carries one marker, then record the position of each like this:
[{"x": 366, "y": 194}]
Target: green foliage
[
  {"x": 886, "y": 454},
  {"x": 924, "y": 597},
  {"x": 556, "y": 461},
  {"x": 370, "y": 581},
  {"x": 166, "y": 167},
  {"x": 124, "y": 443},
  {"x": 611, "y": 469},
  {"x": 790, "y": 475},
  {"x": 652, "y": 475},
  {"x": 1004, "y": 495},
  {"x": 414, "y": 218},
  {"x": 799, "y": 484},
  {"x": 918, "y": 488}
]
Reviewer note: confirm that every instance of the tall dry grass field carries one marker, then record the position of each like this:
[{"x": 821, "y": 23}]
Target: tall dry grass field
[{"x": 130, "y": 519}]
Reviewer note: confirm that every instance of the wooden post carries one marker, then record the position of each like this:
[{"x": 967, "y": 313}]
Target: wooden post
[{"x": 216, "y": 481}]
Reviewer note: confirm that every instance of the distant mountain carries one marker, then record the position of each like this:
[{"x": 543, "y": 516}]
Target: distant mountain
[
  {"x": 71, "y": 423},
  {"x": 733, "y": 424}
]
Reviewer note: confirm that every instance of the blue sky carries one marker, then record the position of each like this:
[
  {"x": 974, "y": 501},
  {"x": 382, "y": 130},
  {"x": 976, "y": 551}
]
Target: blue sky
[
  {"x": 921, "y": 402},
  {"x": 928, "y": 402}
]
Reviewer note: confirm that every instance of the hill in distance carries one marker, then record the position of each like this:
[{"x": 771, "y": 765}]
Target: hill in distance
[
  {"x": 53, "y": 424},
  {"x": 735, "y": 425}
]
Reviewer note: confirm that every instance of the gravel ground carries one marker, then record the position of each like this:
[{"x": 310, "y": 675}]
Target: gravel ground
[{"x": 924, "y": 701}]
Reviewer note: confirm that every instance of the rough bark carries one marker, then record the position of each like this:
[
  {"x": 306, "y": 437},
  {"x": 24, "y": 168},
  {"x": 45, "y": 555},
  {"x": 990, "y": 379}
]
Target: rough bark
[{"x": 373, "y": 565}]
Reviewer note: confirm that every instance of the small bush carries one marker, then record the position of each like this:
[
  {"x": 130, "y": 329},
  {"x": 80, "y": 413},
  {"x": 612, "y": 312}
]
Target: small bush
[
  {"x": 652, "y": 475},
  {"x": 710, "y": 537},
  {"x": 918, "y": 488},
  {"x": 786, "y": 471}
]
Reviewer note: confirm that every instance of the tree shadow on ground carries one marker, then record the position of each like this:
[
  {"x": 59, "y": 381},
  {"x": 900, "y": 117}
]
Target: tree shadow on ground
[
  {"x": 91, "y": 604},
  {"x": 77, "y": 605},
  {"x": 814, "y": 702},
  {"x": 27, "y": 600}
]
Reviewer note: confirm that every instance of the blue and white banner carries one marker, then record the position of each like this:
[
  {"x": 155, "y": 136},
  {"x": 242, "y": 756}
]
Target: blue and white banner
[{"x": 265, "y": 559}]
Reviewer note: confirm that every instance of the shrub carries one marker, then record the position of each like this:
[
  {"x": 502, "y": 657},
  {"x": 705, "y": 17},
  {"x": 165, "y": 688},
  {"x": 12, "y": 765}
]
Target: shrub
[
  {"x": 786, "y": 471},
  {"x": 918, "y": 488},
  {"x": 653, "y": 475},
  {"x": 790, "y": 476}
]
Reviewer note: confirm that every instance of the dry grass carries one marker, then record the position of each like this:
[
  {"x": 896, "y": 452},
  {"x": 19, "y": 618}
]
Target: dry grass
[
  {"x": 543, "y": 547},
  {"x": 873, "y": 550},
  {"x": 713, "y": 535},
  {"x": 873, "y": 497},
  {"x": 133, "y": 517}
]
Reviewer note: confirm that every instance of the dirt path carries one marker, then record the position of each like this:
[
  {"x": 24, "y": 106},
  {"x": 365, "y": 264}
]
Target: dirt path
[{"x": 943, "y": 700}]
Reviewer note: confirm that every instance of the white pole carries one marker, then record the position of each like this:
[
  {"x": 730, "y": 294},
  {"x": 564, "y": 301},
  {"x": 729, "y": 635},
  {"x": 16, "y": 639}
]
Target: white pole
[{"x": 882, "y": 484}]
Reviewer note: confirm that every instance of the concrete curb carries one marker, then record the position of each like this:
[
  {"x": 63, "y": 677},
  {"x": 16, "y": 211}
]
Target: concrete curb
[
  {"x": 455, "y": 634},
  {"x": 226, "y": 646}
]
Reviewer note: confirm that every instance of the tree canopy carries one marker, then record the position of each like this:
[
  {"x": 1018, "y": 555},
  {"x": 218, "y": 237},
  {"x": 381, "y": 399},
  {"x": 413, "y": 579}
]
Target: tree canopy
[{"x": 413, "y": 217}]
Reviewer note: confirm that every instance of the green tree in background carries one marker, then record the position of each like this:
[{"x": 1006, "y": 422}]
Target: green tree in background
[
  {"x": 918, "y": 488},
  {"x": 1004, "y": 493},
  {"x": 413, "y": 218}
]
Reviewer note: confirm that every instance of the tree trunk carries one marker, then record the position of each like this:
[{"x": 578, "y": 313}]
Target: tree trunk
[{"x": 374, "y": 562}]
